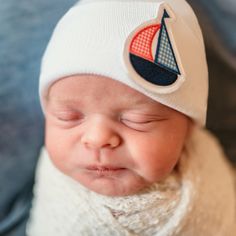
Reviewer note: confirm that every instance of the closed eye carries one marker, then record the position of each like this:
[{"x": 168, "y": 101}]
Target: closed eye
[
  {"x": 140, "y": 122},
  {"x": 138, "y": 125},
  {"x": 137, "y": 121},
  {"x": 68, "y": 116}
]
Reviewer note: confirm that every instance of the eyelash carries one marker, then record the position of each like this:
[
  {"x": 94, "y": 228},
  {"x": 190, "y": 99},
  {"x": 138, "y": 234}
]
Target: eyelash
[
  {"x": 137, "y": 122},
  {"x": 69, "y": 117},
  {"x": 137, "y": 125},
  {"x": 140, "y": 123}
]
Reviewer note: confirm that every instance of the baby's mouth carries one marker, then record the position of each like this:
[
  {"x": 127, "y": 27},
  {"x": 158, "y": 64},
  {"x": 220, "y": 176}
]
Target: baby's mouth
[{"x": 104, "y": 170}]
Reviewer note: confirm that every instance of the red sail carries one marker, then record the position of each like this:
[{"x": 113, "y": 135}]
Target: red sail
[{"x": 141, "y": 44}]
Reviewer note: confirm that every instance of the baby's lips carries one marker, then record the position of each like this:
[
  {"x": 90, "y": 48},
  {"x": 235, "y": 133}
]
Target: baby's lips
[{"x": 103, "y": 168}]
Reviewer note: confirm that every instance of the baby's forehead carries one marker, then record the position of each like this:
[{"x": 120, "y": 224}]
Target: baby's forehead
[
  {"x": 94, "y": 86},
  {"x": 90, "y": 88}
]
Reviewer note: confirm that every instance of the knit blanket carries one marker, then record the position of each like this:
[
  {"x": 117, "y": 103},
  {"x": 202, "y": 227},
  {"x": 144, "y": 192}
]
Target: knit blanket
[{"x": 198, "y": 198}]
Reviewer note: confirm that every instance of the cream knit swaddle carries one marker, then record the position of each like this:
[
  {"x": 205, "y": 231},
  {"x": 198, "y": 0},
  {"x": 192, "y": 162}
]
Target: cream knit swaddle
[{"x": 197, "y": 199}]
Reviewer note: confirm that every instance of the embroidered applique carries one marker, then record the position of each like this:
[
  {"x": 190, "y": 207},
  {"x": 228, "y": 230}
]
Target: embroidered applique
[{"x": 151, "y": 57}]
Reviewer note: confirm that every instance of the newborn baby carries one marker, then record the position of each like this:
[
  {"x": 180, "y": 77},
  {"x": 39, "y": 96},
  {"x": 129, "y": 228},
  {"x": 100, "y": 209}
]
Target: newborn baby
[{"x": 124, "y": 87}]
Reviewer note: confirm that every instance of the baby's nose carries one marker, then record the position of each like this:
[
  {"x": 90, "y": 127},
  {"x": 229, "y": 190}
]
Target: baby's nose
[{"x": 100, "y": 133}]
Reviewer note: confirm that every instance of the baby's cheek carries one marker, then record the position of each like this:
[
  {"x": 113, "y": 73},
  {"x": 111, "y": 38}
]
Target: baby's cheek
[
  {"x": 56, "y": 145},
  {"x": 157, "y": 172},
  {"x": 153, "y": 161}
]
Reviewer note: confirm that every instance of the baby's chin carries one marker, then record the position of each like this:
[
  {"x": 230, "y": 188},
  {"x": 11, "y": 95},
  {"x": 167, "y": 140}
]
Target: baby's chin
[
  {"x": 116, "y": 190},
  {"x": 114, "y": 186}
]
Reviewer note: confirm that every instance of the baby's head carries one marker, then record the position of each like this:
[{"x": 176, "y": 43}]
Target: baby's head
[{"x": 120, "y": 83}]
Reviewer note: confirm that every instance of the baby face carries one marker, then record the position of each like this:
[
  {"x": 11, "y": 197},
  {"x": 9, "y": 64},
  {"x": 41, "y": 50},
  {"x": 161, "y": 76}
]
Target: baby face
[{"x": 109, "y": 137}]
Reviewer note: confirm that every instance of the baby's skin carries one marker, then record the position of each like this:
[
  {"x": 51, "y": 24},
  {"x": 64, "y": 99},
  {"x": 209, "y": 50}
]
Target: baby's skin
[{"x": 109, "y": 137}]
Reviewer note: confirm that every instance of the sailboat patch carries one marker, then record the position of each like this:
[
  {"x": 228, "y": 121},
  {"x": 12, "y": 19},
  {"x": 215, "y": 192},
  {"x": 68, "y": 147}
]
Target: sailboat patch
[{"x": 150, "y": 55}]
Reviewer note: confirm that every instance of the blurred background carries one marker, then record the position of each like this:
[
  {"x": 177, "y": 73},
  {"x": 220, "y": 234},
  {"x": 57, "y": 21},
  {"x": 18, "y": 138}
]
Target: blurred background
[
  {"x": 25, "y": 28},
  {"x": 218, "y": 21}
]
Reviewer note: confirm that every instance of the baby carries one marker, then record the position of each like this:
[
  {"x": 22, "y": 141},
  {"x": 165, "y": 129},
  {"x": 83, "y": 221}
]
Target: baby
[{"x": 124, "y": 88}]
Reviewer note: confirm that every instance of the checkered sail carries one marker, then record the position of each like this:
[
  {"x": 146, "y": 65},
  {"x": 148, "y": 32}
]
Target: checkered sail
[
  {"x": 142, "y": 42},
  {"x": 165, "y": 56}
]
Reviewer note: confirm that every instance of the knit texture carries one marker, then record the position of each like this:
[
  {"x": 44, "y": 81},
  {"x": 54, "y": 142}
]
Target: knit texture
[{"x": 198, "y": 198}]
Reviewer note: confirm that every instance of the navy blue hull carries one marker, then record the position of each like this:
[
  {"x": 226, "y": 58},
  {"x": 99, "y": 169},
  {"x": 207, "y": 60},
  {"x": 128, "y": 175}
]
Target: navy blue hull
[{"x": 151, "y": 72}]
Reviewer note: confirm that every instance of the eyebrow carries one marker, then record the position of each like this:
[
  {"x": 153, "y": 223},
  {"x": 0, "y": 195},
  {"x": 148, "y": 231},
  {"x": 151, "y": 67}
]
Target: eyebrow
[
  {"x": 64, "y": 100},
  {"x": 139, "y": 102},
  {"x": 58, "y": 103}
]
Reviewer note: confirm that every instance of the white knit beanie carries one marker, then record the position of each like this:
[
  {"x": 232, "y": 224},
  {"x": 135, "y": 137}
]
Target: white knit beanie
[{"x": 155, "y": 47}]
